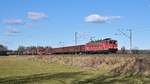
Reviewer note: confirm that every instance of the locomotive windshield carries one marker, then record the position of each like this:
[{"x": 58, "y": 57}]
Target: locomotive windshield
[{"x": 113, "y": 42}]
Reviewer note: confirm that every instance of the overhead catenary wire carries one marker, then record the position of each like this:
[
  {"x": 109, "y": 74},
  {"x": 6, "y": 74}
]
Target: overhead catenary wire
[{"x": 129, "y": 36}]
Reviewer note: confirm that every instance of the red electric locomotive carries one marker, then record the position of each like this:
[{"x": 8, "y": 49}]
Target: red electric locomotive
[{"x": 102, "y": 46}]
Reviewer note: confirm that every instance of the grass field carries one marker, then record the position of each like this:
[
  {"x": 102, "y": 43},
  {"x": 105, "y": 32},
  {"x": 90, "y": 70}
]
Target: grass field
[{"x": 65, "y": 69}]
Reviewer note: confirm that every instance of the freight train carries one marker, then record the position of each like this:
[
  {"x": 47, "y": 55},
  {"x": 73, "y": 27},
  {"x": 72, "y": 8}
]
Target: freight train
[
  {"x": 107, "y": 45},
  {"x": 104, "y": 46}
]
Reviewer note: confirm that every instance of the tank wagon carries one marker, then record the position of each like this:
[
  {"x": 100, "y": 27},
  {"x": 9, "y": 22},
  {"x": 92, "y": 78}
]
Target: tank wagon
[{"x": 107, "y": 45}]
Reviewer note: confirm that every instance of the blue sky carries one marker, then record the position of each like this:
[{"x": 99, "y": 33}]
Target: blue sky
[{"x": 49, "y": 22}]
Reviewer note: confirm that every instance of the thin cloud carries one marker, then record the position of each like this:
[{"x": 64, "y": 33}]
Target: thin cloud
[
  {"x": 12, "y": 31},
  {"x": 95, "y": 18},
  {"x": 36, "y": 15},
  {"x": 29, "y": 25},
  {"x": 13, "y": 22}
]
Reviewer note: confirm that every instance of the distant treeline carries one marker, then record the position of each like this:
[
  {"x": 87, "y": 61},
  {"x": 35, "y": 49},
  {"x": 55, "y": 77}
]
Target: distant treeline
[
  {"x": 123, "y": 50},
  {"x": 32, "y": 50}
]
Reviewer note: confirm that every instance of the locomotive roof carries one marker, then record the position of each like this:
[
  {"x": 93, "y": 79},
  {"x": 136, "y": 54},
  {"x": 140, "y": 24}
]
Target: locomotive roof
[{"x": 101, "y": 40}]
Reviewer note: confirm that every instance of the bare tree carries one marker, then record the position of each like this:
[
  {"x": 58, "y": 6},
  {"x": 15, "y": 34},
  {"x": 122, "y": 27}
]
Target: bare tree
[
  {"x": 135, "y": 50},
  {"x": 3, "y": 50},
  {"x": 123, "y": 50},
  {"x": 21, "y": 50}
]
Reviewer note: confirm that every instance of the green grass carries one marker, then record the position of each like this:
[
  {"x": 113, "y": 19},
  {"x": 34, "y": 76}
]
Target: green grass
[
  {"x": 27, "y": 69},
  {"x": 30, "y": 70}
]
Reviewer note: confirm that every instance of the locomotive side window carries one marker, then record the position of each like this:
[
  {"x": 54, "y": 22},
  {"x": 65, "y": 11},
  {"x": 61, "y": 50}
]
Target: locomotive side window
[{"x": 114, "y": 42}]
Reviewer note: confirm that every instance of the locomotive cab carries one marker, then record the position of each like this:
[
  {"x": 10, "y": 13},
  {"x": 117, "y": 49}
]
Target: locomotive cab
[{"x": 113, "y": 46}]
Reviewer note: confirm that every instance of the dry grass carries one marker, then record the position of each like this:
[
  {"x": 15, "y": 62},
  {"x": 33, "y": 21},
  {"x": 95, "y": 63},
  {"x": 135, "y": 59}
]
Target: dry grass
[
  {"x": 75, "y": 69},
  {"x": 134, "y": 66},
  {"x": 116, "y": 64}
]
